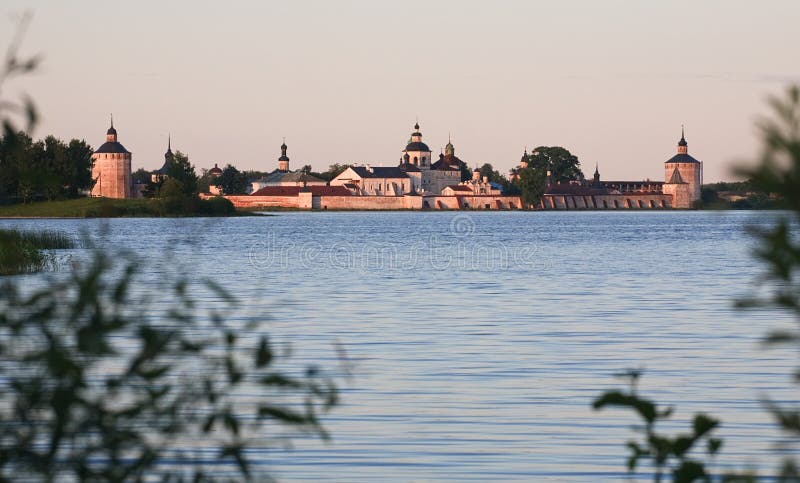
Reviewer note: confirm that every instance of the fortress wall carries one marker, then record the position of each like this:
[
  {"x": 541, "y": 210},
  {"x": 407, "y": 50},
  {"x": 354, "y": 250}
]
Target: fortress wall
[
  {"x": 476, "y": 202},
  {"x": 607, "y": 202},
  {"x": 306, "y": 201},
  {"x": 363, "y": 202},
  {"x": 246, "y": 201}
]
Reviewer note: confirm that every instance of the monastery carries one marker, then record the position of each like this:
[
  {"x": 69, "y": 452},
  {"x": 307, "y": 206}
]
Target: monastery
[{"x": 416, "y": 183}]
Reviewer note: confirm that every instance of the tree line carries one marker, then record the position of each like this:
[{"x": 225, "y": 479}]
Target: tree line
[{"x": 48, "y": 169}]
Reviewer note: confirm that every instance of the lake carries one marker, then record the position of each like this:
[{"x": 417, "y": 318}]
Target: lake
[{"x": 478, "y": 340}]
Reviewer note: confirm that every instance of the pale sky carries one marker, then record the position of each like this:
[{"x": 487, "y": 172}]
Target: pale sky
[{"x": 344, "y": 81}]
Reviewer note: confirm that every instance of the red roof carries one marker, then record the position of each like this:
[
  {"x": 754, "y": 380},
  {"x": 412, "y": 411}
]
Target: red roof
[
  {"x": 295, "y": 190},
  {"x": 459, "y": 187}
]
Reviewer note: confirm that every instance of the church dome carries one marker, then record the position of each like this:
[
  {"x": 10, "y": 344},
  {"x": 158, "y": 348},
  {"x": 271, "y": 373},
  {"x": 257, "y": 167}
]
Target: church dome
[
  {"x": 417, "y": 146},
  {"x": 215, "y": 170},
  {"x": 111, "y": 130}
]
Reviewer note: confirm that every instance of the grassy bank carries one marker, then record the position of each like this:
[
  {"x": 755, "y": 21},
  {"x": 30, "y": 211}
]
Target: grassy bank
[
  {"x": 25, "y": 252},
  {"x": 114, "y": 208}
]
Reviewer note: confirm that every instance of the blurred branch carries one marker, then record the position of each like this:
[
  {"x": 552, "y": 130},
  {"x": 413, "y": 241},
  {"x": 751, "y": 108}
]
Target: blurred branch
[{"x": 14, "y": 65}]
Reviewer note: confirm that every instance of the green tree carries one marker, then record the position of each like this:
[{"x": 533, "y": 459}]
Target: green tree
[
  {"x": 333, "y": 171},
  {"x": 531, "y": 183},
  {"x": 181, "y": 170},
  {"x": 232, "y": 181},
  {"x": 562, "y": 165},
  {"x": 78, "y": 171},
  {"x": 48, "y": 168},
  {"x": 487, "y": 170}
]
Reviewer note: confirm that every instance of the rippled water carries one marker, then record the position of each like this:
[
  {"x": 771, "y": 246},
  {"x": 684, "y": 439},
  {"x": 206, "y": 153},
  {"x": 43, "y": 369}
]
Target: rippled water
[{"x": 480, "y": 339}]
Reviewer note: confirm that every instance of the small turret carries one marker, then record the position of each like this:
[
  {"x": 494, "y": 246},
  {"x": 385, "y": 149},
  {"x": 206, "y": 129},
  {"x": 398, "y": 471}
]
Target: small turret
[
  {"x": 683, "y": 146},
  {"x": 523, "y": 162},
  {"x": 111, "y": 134},
  {"x": 283, "y": 161}
]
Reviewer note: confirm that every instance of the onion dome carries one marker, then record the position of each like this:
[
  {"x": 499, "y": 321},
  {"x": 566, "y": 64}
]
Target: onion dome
[
  {"x": 283, "y": 157},
  {"x": 417, "y": 146},
  {"x": 215, "y": 171}
]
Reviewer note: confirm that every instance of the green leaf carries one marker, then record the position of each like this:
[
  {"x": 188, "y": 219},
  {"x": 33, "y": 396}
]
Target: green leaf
[
  {"x": 714, "y": 445},
  {"x": 263, "y": 353},
  {"x": 703, "y": 424},
  {"x": 645, "y": 408},
  {"x": 682, "y": 445},
  {"x": 282, "y": 414},
  {"x": 688, "y": 472}
]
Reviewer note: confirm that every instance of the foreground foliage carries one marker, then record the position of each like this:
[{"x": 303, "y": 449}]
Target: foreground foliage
[{"x": 100, "y": 384}]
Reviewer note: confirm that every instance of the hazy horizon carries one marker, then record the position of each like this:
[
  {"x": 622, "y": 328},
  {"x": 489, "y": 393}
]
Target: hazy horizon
[{"x": 345, "y": 81}]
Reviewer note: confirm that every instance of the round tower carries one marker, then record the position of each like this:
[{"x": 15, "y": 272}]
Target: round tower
[
  {"x": 683, "y": 176},
  {"x": 283, "y": 161},
  {"x": 111, "y": 168}
]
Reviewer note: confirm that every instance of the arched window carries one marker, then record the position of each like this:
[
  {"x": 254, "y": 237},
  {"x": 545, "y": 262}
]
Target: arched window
[{"x": 423, "y": 160}]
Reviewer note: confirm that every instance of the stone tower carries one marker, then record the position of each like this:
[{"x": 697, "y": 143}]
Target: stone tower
[
  {"x": 683, "y": 177},
  {"x": 283, "y": 161},
  {"x": 111, "y": 168}
]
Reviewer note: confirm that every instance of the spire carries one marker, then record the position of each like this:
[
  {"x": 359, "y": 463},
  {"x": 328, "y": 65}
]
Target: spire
[
  {"x": 596, "y": 170},
  {"x": 682, "y": 144},
  {"x": 111, "y": 134},
  {"x": 449, "y": 150},
  {"x": 169, "y": 145}
]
